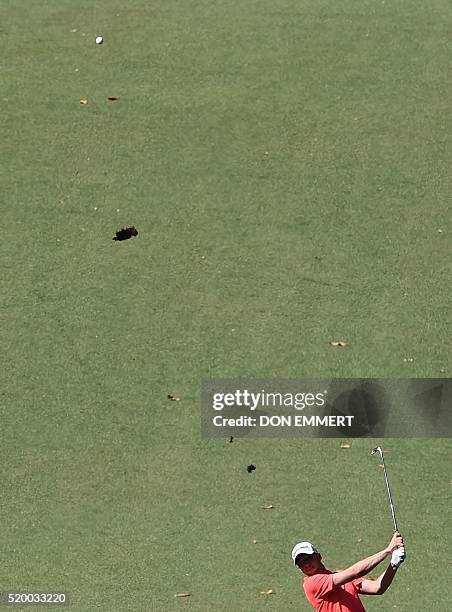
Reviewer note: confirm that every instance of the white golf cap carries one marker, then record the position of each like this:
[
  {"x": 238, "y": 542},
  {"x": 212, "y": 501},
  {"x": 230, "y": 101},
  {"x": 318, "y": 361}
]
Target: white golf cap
[{"x": 303, "y": 548}]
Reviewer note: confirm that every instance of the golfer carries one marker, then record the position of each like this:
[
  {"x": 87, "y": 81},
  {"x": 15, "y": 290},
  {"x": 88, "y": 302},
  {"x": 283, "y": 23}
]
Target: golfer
[{"x": 339, "y": 591}]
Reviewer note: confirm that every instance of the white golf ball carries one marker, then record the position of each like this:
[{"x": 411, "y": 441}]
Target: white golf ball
[{"x": 99, "y": 40}]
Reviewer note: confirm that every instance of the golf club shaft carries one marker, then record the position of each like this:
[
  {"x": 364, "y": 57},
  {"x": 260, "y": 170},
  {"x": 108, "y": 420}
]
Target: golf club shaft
[
  {"x": 388, "y": 488},
  {"x": 391, "y": 503}
]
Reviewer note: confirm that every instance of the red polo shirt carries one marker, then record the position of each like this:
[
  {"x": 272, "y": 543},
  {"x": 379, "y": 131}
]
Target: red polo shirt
[{"x": 326, "y": 597}]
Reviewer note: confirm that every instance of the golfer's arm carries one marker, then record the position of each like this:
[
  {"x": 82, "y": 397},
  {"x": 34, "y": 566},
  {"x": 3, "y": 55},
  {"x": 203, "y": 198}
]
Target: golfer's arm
[
  {"x": 386, "y": 578},
  {"x": 378, "y": 586},
  {"x": 360, "y": 569}
]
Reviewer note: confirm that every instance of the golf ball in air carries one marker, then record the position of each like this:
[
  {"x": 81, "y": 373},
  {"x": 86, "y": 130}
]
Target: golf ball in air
[{"x": 99, "y": 40}]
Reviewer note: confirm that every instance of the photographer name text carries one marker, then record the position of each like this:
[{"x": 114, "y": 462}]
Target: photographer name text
[{"x": 296, "y": 420}]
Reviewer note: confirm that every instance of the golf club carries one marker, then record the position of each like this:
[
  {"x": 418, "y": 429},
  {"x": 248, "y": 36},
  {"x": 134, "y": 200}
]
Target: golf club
[{"x": 378, "y": 449}]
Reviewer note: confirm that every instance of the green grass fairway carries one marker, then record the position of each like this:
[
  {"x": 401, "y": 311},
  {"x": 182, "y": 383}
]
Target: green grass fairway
[{"x": 287, "y": 164}]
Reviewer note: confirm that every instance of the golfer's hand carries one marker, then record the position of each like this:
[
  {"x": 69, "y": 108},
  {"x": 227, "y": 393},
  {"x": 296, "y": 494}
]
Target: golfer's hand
[
  {"x": 398, "y": 556},
  {"x": 396, "y": 542}
]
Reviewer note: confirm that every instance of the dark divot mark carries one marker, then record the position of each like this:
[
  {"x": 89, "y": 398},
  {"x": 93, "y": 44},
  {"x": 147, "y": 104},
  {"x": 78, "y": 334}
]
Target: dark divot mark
[{"x": 125, "y": 233}]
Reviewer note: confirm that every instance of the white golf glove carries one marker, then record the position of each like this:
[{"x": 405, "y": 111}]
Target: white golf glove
[{"x": 398, "y": 556}]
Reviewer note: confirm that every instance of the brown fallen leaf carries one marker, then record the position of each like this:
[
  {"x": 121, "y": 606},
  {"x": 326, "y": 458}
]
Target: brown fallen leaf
[
  {"x": 182, "y": 594},
  {"x": 267, "y": 592},
  {"x": 112, "y": 98},
  {"x": 83, "y": 101},
  {"x": 345, "y": 445},
  {"x": 267, "y": 507},
  {"x": 173, "y": 398},
  {"x": 338, "y": 343}
]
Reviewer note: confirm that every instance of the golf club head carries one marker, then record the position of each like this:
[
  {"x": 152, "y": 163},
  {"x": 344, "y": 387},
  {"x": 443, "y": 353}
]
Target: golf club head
[{"x": 377, "y": 449}]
